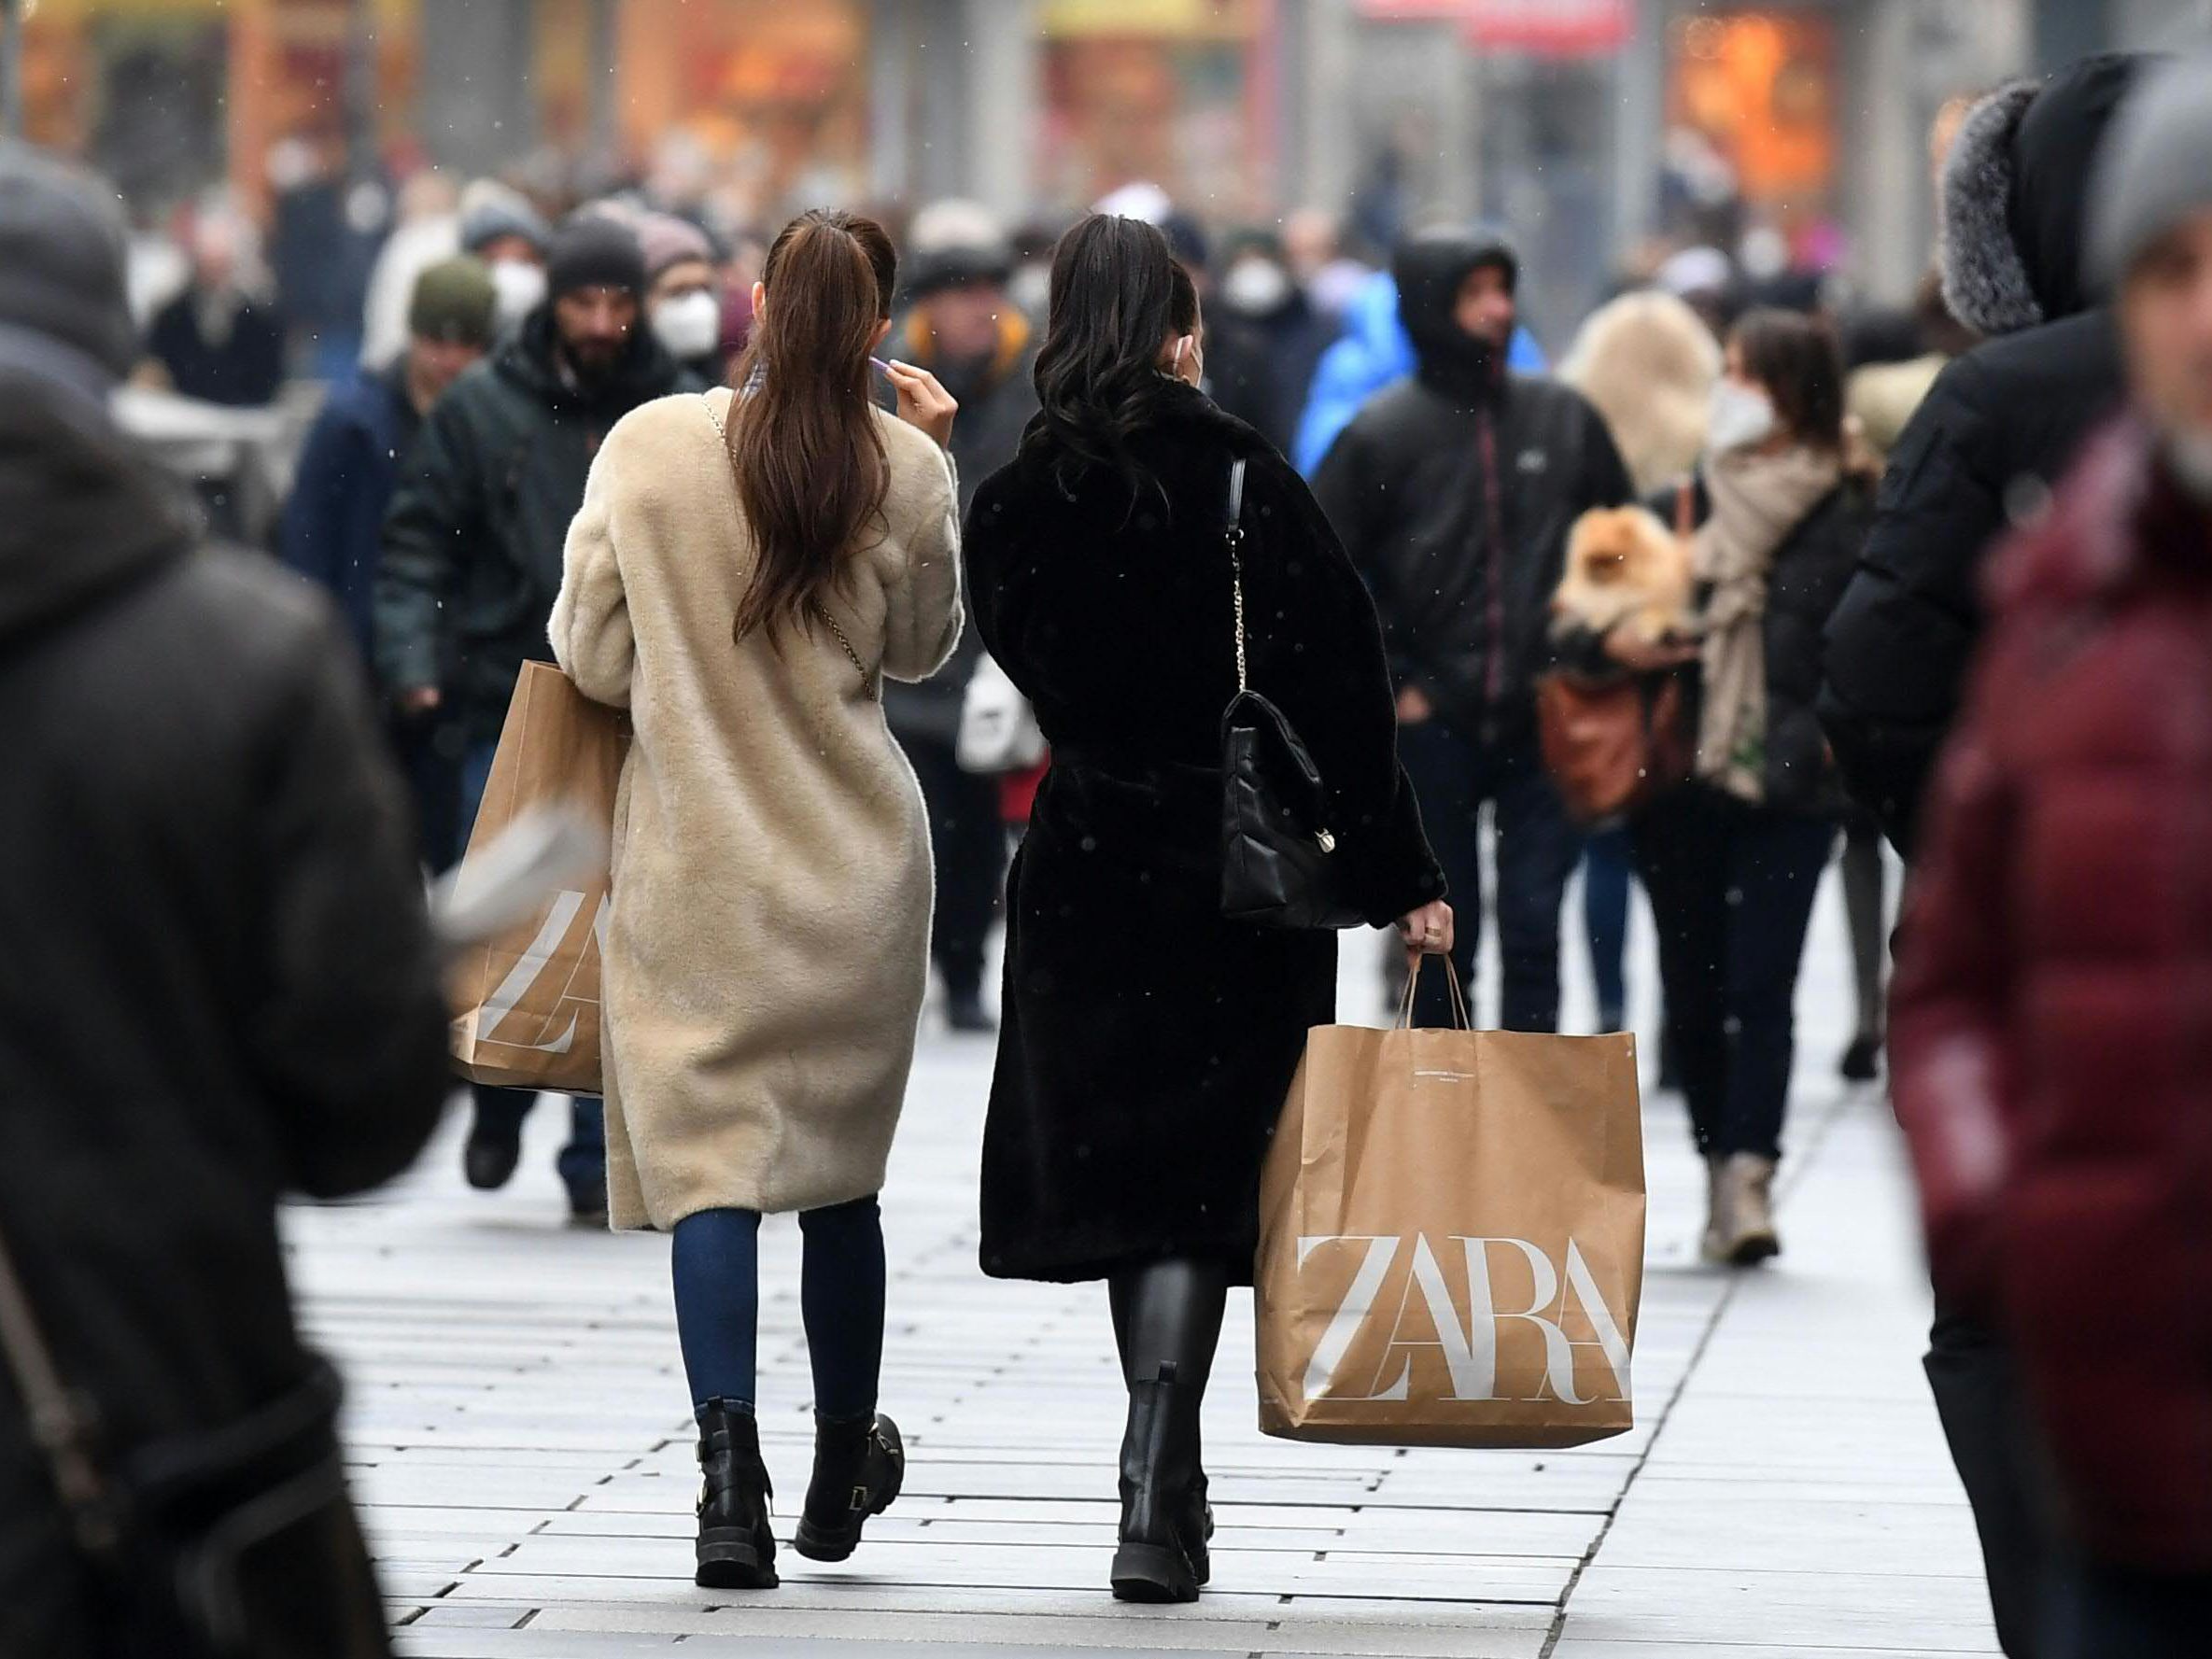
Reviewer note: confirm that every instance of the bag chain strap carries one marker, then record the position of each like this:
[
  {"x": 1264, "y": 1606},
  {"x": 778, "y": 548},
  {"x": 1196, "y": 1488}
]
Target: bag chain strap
[
  {"x": 1233, "y": 532},
  {"x": 868, "y": 681}
]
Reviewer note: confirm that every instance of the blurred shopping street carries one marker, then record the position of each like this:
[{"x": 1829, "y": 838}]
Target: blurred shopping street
[{"x": 520, "y": 1441}]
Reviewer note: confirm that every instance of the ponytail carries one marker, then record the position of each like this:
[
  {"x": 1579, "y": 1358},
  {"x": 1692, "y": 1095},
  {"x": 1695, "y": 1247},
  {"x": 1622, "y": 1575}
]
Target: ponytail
[{"x": 810, "y": 465}]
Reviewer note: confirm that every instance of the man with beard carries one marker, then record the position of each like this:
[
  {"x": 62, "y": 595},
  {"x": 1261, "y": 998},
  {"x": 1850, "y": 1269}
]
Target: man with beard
[
  {"x": 1454, "y": 491},
  {"x": 472, "y": 558}
]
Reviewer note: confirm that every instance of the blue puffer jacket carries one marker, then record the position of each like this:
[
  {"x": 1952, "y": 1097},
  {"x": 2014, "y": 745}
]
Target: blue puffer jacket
[{"x": 1373, "y": 351}]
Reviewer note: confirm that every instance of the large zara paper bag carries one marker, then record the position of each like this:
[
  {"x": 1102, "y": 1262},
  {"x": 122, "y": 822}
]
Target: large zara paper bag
[
  {"x": 527, "y": 1004},
  {"x": 1451, "y": 1245}
]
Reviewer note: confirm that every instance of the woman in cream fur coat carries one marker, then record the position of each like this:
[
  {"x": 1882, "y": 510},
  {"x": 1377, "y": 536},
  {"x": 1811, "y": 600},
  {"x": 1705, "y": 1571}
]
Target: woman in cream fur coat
[{"x": 745, "y": 570}]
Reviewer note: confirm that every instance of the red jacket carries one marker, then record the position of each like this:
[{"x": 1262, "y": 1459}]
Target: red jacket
[{"x": 2051, "y": 1034}]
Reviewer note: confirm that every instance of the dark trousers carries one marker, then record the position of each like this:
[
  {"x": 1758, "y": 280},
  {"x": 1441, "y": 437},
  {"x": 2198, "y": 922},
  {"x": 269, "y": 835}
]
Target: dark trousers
[
  {"x": 1605, "y": 873},
  {"x": 1978, "y": 1399},
  {"x": 968, "y": 841},
  {"x": 430, "y": 753},
  {"x": 1865, "y": 882},
  {"x": 715, "y": 1258},
  {"x": 1452, "y": 775},
  {"x": 1731, "y": 887},
  {"x": 2113, "y": 1612},
  {"x": 499, "y": 1112}
]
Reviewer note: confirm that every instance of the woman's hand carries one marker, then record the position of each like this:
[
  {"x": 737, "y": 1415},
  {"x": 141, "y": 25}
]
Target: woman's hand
[
  {"x": 923, "y": 402},
  {"x": 1648, "y": 656},
  {"x": 1428, "y": 931}
]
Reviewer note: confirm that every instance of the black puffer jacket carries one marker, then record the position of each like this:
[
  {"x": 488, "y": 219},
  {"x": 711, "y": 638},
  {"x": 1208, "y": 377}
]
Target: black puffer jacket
[
  {"x": 1994, "y": 433},
  {"x": 1454, "y": 491},
  {"x": 473, "y": 536},
  {"x": 220, "y": 983}
]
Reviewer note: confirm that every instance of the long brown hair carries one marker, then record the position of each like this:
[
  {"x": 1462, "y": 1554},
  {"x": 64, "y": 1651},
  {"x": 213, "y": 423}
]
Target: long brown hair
[
  {"x": 1798, "y": 363},
  {"x": 810, "y": 464}
]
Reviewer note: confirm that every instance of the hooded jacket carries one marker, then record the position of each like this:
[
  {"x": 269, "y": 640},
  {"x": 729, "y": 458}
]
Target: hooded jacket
[
  {"x": 1372, "y": 351},
  {"x": 1648, "y": 362},
  {"x": 472, "y": 539},
  {"x": 1454, "y": 491},
  {"x": 1994, "y": 434},
  {"x": 221, "y": 985},
  {"x": 2048, "y": 1029}
]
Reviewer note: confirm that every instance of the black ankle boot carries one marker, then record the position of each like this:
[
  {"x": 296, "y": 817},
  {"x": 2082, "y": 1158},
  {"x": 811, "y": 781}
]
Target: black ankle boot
[
  {"x": 860, "y": 1464},
  {"x": 737, "y": 1549},
  {"x": 1164, "y": 1510}
]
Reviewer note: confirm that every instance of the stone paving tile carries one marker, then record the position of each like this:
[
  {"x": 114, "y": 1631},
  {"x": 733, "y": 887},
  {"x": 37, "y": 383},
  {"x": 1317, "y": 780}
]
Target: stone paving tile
[{"x": 520, "y": 1441}]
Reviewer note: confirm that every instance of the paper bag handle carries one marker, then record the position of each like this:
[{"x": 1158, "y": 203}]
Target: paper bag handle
[{"x": 1412, "y": 981}]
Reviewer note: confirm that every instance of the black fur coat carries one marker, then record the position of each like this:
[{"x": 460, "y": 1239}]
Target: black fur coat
[{"x": 1147, "y": 1044}]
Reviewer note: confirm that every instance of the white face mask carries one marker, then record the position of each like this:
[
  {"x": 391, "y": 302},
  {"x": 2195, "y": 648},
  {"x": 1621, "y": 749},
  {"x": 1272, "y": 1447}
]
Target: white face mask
[
  {"x": 1737, "y": 417},
  {"x": 689, "y": 325},
  {"x": 1256, "y": 287},
  {"x": 518, "y": 287}
]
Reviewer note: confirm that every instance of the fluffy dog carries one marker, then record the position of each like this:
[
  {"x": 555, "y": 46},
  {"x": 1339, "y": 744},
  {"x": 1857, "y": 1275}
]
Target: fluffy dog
[{"x": 1625, "y": 569}]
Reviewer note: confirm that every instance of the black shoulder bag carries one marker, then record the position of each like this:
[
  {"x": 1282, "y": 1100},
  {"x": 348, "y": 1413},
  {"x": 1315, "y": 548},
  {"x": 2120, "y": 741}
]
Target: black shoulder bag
[
  {"x": 1278, "y": 863},
  {"x": 238, "y": 1544}
]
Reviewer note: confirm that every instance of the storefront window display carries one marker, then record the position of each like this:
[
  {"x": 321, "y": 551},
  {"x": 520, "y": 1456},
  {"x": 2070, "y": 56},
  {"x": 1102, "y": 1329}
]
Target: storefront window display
[
  {"x": 765, "y": 98},
  {"x": 1753, "y": 106},
  {"x": 1178, "y": 92}
]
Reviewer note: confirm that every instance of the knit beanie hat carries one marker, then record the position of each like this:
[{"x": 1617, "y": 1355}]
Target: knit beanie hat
[
  {"x": 668, "y": 240},
  {"x": 954, "y": 242},
  {"x": 61, "y": 263},
  {"x": 594, "y": 250},
  {"x": 454, "y": 302},
  {"x": 2155, "y": 169},
  {"x": 500, "y": 212}
]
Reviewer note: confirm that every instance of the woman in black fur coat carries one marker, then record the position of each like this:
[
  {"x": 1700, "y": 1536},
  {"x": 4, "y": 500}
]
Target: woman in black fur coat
[{"x": 1147, "y": 1042}]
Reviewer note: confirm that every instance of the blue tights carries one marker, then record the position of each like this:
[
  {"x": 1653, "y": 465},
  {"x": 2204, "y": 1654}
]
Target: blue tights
[{"x": 716, "y": 1258}]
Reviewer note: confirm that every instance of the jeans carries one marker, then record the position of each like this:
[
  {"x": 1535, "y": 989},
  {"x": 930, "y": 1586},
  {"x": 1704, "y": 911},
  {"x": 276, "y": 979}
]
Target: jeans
[
  {"x": 499, "y": 1112},
  {"x": 715, "y": 1258},
  {"x": 1452, "y": 775},
  {"x": 968, "y": 841},
  {"x": 1731, "y": 887},
  {"x": 1605, "y": 917}
]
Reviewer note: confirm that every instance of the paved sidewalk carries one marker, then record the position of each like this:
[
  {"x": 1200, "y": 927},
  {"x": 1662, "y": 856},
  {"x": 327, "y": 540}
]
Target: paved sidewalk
[{"x": 521, "y": 1440}]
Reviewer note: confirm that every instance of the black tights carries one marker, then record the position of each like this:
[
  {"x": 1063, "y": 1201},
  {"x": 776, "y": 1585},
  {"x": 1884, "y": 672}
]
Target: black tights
[{"x": 1169, "y": 1312}]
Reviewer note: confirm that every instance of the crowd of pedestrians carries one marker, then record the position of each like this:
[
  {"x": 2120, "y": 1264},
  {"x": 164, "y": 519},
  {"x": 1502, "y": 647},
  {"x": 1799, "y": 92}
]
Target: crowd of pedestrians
[{"x": 778, "y": 505}]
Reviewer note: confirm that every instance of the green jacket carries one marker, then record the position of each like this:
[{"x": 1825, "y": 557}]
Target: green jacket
[{"x": 472, "y": 539}]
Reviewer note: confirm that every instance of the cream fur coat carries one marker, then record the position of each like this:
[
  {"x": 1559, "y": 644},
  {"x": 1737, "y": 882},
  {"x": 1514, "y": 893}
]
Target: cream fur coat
[{"x": 767, "y": 942}]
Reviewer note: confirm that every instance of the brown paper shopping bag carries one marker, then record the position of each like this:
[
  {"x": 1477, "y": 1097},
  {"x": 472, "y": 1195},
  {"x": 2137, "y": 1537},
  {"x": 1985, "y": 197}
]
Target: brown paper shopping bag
[
  {"x": 527, "y": 1004},
  {"x": 1451, "y": 1247}
]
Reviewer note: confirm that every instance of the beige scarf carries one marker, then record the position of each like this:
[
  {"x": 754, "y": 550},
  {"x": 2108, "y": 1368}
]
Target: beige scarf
[{"x": 1757, "y": 501}]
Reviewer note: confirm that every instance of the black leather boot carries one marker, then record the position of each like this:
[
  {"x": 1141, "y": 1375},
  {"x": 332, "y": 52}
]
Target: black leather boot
[
  {"x": 860, "y": 1464},
  {"x": 737, "y": 1549},
  {"x": 1163, "y": 1505}
]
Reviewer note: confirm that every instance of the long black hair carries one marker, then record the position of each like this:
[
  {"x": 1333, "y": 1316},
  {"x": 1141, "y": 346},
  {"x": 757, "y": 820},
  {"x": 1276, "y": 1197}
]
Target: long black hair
[{"x": 1117, "y": 292}]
